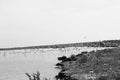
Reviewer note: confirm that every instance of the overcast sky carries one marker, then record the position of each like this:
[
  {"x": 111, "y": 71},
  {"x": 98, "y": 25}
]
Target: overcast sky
[{"x": 41, "y": 22}]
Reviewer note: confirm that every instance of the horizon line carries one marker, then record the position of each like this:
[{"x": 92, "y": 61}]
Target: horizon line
[{"x": 79, "y": 44}]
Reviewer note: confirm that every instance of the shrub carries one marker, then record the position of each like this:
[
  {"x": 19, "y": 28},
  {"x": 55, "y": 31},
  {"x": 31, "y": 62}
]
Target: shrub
[
  {"x": 62, "y": 58},
  {"x": 35, "y": 76}
]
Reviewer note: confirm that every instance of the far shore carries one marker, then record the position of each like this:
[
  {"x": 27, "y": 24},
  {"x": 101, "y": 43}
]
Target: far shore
[{"x": 105, "y": 43}]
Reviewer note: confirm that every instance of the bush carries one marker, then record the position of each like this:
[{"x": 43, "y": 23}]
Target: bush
[{"x": 62, "y": 58}]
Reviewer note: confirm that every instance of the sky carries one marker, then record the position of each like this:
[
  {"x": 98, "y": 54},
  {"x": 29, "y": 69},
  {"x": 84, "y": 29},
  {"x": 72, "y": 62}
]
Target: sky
[{"x": 46, "y": 22}]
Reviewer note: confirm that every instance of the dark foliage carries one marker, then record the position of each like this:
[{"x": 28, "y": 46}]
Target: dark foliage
[
  {"x": 62, "y": 76},
  {"x": 83, "y": 59},
  {"x": 103, "y": 78},
  {"x": 73, "y": 58},
  {"x": 117, "y": 78},
  {"x": 63, "y": 58},
  {"x": 59, "y": 64}
]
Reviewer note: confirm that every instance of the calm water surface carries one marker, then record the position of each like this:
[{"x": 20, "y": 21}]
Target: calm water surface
[{"x": 15, "y": 63}]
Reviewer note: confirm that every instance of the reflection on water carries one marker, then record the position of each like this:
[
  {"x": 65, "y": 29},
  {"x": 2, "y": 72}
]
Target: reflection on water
[{"x": 15, "y": 63}]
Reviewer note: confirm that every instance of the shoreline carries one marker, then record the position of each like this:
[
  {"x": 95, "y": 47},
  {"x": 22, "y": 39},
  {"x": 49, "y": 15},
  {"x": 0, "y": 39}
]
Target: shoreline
[
  {"x": 104, "y": 43},
  {"x": 99, "y": 65}
]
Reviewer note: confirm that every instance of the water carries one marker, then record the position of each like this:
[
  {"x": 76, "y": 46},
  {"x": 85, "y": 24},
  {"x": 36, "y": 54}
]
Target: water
[{"x": 15, "y": 63}]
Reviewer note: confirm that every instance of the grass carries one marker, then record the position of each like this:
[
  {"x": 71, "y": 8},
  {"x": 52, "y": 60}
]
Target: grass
[{"x": 99, "y": 65}]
